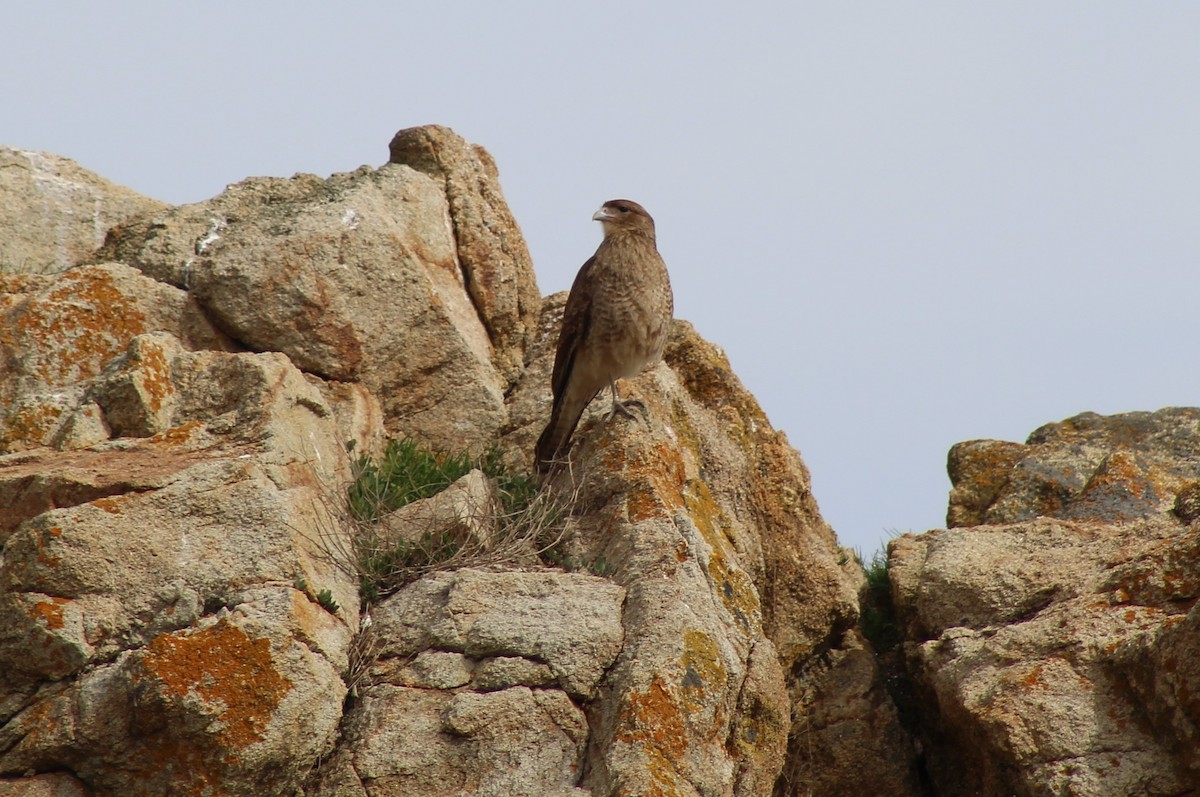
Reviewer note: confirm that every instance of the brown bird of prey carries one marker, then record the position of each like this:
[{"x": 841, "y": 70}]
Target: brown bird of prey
[{"x": 614, "y": 325}]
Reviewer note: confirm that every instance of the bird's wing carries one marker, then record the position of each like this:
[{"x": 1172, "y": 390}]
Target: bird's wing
[{"x": 577, "y": 317}]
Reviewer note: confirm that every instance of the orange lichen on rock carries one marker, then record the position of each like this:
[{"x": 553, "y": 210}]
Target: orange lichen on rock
[
  {"x": 656, "y": 483},
  {"x": 178, "y": 435},
  {"x": 32, "y": 421},
  {"x": 1121, "y": 468},
  {"x": 86, "y": 321},
  {"x": 225, "y": 668},
  {"x": 50, "y": 611},
  {"x": 109, "y": 505},
  {"x": 653, "y": 721},
  {"x": 155, "y": 376}
]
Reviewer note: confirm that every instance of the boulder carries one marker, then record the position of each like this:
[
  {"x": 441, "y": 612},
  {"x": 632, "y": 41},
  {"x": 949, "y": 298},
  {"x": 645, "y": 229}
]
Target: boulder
[
  {"x": 1052, "y": 654},
  {"x": 384, "y": 277},
  {"x": 176, "y": 611},
  {"x": 58, "y": 333},
  {"x": 491, "y": 248},
  {"x": 473, "y": 686},
  {"x": 1111, "y": 468},
  {"x": 54, "y": 213}
]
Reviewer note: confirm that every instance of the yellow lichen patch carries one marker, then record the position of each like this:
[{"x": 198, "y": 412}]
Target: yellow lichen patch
[
  {"x": 225, "y": 668},
  {"x": 50, "y": 612},
  {"x": 83, "y": 323},
  {"x": 733, "y": 584},
  {"x": 653, "y": 721},
  {"x": 684, "y": 430},
  {"x": 703, "y": 673}
]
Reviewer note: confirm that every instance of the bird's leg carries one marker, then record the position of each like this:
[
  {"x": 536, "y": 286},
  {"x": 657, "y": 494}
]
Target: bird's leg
[{"x": 622, "y": 407}]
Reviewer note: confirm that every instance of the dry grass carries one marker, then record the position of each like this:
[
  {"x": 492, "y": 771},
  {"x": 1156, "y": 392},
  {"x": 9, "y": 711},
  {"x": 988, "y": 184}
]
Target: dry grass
[{"x": 398, "y": 522}]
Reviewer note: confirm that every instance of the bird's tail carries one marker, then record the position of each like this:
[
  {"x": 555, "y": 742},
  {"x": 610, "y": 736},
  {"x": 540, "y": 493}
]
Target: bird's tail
[{"x": 555, "y": 440}]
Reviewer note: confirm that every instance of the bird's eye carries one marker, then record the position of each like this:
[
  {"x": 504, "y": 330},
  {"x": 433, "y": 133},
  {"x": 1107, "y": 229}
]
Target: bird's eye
[{"x": 623, "y": 208}]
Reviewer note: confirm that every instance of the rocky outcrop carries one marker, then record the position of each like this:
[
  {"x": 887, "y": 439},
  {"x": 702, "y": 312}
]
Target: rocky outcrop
[
  {"x": 1053, "y": 643},
  {"x": 182, "y": 608},
  {"x": 343, "y": 275},
  {"x": 1089, "y": 467},
  {"x": 495, "y": 262}
]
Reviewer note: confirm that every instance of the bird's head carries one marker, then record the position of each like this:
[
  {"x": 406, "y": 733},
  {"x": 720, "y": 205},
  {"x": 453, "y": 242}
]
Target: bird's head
[{"x": 621, "y": 215}]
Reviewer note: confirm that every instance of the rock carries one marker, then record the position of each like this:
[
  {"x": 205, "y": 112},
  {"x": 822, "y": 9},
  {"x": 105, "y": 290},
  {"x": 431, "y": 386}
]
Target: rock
[
  {"x": 54, "y": 213},
  {"x": 435, "y": 669},
  {"x": 361, "y": 278},
  {"x": 850, "y": 725},
  {"x": 516, "y": 742},
  {"x": 568, "y": 621},
  {"x": 57, "y": 334},
  {"x": 180, "y": 608},
  {"x": 1187, "y": 501},
  {"x": 464, "y": 512},
  {"x": 979, "y": 471},
  {"x": 151, "y": 635},
  {"x": 704, "y": 514},
  {"x": 1027, "y": 638},
  {"x": 501, "y": 672},
  {"x": 1054, "y": 636},
  {"x": 1162, "y": 667},
  {"x": 48, "y": 785},
  {"x": 235, "y": 701},
  {"x": 492, "y": 251},
  {"x": 448, "y": 706},
  {"x": 1120, "y": 467}
]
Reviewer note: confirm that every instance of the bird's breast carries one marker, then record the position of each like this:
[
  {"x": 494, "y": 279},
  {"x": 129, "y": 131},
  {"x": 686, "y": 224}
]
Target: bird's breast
[{"x": 632, "y": 306}]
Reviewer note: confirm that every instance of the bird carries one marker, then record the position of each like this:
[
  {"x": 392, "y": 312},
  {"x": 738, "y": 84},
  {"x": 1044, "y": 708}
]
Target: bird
[{"x": 615, "y": 324}]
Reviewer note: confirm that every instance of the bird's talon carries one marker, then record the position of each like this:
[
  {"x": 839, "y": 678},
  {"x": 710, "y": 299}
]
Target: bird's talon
[{"x": 624, "y": 408}]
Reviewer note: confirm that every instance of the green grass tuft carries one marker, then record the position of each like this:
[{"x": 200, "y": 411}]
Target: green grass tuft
[
  {"x": 525, "y": 519},
  {"x": 408, "y": 472},
  {"x": 878, "y": 620}
]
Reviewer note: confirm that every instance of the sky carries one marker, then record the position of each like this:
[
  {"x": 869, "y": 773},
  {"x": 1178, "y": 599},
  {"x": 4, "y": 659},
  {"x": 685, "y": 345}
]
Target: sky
[{"x": 907, "y": 224}]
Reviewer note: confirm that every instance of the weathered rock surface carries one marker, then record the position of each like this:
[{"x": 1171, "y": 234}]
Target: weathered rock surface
[
  {"x": 491, "y": 249},
  {"x": 48, "y": 785},
  {"x": 54, "y": 213},
  {"x": 180, "y": 608},
  {"x": 343, "y": 274},
  {"x": 168, "y": 517},
  {"x": 58, "y": 333},
  {"x": 733, "y": 582},
  {"x": 464, "y": 512},
  {"x": 1120, "y": 467},
  {"x": 477, "y": 686},
  {"x": 1055, "y": 655}
]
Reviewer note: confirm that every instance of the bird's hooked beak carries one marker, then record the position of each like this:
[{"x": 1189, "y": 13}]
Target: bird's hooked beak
[{"x": 603, "y": 214}]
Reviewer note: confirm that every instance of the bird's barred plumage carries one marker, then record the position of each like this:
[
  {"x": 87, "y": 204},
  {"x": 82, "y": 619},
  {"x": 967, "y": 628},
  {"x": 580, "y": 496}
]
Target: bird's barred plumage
[{"x": 614, "y": 325}]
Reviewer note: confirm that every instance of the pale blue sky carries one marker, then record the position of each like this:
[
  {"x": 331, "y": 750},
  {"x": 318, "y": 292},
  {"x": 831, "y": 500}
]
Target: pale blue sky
[{"x": 908, "y": 224}]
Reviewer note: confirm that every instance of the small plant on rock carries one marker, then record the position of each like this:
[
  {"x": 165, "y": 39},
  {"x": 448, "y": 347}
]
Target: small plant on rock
[{"x": 524, "y": 521}]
